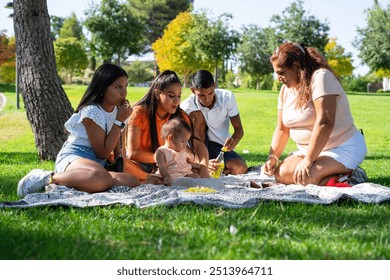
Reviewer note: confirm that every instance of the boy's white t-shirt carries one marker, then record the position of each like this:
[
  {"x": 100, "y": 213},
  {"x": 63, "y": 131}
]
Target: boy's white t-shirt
[
  {"x": 218, "y": 117},
  {"x": 301, "y": 121}
]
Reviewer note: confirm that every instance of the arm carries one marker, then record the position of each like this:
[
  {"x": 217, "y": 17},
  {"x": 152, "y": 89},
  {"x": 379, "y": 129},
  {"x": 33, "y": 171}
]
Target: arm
[
  {"x": 162, "y": 167},
  {"x": 134, "y": 146},
  {"x": 238, "y": 133},
  {"x": 325, "y": 108},
  {"x": 101, "y": 143},
  {"x": 203, "y": 155},
  {"x": 199, "y": 126},
  {"x": 279, "y": 142}
]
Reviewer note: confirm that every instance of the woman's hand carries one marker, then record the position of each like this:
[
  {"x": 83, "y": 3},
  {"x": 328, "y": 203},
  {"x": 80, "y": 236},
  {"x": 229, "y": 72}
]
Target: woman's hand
[
  {"x": 302, "y": 172},
  {"x": 124, "y": 111},
  {"x": 269, "y": 167}
]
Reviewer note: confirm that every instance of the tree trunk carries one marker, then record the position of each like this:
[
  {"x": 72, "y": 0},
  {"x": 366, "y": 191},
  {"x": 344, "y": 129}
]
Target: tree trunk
[
  {"x": 46, "y": 103},
  {"x": 216, "y": 74}
]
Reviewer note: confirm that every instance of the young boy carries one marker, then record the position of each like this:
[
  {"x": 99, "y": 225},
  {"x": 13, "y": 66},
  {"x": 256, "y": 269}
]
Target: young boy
[{"x": 211, "y": 111}]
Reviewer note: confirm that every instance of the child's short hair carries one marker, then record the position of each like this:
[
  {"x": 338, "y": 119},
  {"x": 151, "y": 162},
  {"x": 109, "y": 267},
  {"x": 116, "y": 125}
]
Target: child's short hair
[{"x": 174, "y": 126}]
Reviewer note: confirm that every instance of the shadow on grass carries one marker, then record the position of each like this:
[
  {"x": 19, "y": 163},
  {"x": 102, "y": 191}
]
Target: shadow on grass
[
  {"x": 194, "y": 232},
  {"x": 19, "y": 158}
]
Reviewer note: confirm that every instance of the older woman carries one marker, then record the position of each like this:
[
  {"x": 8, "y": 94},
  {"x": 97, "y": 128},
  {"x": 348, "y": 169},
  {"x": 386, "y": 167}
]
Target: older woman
[{"x": 313, "y": 110}]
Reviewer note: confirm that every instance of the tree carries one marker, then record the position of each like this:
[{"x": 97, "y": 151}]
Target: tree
[
  {"x": 56, "y": 25},
  {"x": 340, "y": 61},
  {"x": 175, "y": 52},
  {"x": 214, "y": 40},
  {"x": 254, "y": 52},
  {"x": 47, "y": 106},
  {"x": 373, "y": 41},
  {"x": 140, "y": 71},
  {"x": 156, "y": 15},
  {"x": 72, "y": 28},
  {"x": 69, "y": 48},
  {"x": 296, "y": 26},
  {"x": 114, "y": 30},
  {"x": 70, "y": 56},
  {"x": 7, "y": 58}
]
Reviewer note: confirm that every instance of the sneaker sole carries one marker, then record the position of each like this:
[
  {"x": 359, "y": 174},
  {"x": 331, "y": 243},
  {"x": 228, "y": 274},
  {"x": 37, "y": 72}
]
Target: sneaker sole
[{"x": 20, "y": 191}]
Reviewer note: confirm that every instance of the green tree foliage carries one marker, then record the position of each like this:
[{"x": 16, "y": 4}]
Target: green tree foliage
[
  {"x": 72, "y": 28},
  {"x": 7, "y": 58},
  {"x": 340, "y": 61},
  {"x": 70, "y": 57},
  {"x": 296, "y": 25},
  {"x": 140, "y": 71},
  {"x": 254, "y": 52},
  {"x": 156, "y": 15},
  {"x": 115, "y": 32},
  {"x": 373, "y": 41},
  {"x": 215, "y": 41},
  {"x": 56, "y": 24},
  {"x": 174, "y": 50}
]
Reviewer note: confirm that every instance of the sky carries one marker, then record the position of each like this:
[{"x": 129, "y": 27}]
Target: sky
[{"x": 343, "y": 16}]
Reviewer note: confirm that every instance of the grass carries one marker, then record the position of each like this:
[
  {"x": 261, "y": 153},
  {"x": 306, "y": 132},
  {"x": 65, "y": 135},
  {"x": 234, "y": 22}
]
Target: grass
[{"x": 272, "y": 230}]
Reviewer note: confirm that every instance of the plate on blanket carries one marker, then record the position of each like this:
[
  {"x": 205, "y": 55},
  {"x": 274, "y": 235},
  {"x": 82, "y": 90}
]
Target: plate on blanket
[{"x": 200, "y": 190}]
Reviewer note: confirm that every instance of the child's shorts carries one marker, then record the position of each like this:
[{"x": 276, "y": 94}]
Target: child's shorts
[{"x": 70, "y": 152}]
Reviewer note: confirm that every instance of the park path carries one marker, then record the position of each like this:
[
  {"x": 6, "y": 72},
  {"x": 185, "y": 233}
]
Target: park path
[{"x": 2, "y": 101}]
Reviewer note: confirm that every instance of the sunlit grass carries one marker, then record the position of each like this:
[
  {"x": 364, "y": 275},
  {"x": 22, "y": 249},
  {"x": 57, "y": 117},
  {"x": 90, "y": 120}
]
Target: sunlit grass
[{"x": 271, "y": 230}]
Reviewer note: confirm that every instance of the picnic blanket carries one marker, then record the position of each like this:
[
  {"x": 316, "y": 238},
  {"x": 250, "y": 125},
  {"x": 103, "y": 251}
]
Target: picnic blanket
[{"x": 237, "y": 191}]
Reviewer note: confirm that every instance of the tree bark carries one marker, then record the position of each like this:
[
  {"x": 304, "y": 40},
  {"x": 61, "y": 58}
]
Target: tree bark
[{"x": 47, "y": 106}]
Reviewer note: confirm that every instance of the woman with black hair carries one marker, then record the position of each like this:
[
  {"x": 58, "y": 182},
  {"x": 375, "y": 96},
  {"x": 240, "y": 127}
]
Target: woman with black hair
[
  {"x": 160, "y": 104},
  {"x": 94, "y": 131}
]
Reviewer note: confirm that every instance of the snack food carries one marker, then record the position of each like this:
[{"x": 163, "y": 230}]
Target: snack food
[{"x": 200, "y": 189}]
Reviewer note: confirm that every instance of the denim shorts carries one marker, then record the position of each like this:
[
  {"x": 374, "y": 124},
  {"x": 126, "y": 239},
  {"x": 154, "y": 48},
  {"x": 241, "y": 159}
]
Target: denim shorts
[
  {"x": 70, "y": 152},
  {"x": 214, "y": 149}
]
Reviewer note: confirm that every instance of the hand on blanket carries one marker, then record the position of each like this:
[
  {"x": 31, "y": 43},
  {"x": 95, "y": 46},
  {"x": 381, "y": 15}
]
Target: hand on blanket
[
  {"x": 269, "y": 167},
  {"x": 302, "y": 172}
]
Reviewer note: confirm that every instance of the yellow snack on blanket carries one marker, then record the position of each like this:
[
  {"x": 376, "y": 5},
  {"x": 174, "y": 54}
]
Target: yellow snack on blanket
[{"x": 200, "y": 189}]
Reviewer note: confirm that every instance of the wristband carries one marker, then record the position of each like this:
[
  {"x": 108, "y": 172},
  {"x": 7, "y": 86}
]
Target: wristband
[
  {"x": 120, "y": 124},
  {"x": 273, "y": 156}
]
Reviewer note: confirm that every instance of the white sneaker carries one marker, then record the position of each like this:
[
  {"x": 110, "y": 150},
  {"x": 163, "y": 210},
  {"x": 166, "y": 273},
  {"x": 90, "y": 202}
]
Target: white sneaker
[{"x": 34, "y": 181}]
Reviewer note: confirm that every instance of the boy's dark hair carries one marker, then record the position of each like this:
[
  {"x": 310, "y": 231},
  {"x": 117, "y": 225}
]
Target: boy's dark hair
[
  {"x": 103, "y": 77},
  {"x": 202, "y": 79},
  {"x": 174, "y": 127}
]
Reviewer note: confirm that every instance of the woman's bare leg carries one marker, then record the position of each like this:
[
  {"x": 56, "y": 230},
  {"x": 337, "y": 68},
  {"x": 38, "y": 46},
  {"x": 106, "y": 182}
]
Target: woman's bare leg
[
  {"x": 321, "y": 170},
  {"x": 85, "y": 175}
]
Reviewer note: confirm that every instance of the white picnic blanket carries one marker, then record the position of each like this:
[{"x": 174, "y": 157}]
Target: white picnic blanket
[{"x": 232, "y": 192}]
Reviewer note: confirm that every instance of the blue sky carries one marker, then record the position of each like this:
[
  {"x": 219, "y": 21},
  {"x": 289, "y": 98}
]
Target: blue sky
[{"x": 343, "y": 16}]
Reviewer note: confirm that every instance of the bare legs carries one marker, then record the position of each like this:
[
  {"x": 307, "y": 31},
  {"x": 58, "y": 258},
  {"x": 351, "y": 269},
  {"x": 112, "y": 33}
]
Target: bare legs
[
  {"x": 235, "y": 166},
  {"x": 322, "y": 169},
  {"x": 87, "y": 175}
]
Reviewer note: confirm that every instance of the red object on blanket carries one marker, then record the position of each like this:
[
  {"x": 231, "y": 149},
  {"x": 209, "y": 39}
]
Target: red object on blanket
[{"x": 339, "y": 181}]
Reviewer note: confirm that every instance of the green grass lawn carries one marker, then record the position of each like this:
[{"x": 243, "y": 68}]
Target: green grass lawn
[{"x": 272, "y": 230}]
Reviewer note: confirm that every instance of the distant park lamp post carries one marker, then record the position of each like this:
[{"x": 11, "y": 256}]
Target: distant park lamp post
[{"x": 10, "y": 5}]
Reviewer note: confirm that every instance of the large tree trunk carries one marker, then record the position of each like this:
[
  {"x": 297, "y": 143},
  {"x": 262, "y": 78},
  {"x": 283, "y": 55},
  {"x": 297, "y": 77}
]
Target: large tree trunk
[{"x": 46, "y": 103}]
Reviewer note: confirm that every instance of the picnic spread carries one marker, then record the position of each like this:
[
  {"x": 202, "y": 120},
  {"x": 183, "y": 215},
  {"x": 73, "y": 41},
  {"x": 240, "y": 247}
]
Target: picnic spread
[{"x": 238, "y": 191}]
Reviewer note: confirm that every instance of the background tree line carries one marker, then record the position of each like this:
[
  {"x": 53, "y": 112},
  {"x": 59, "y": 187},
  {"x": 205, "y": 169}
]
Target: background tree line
[
  {"x": 185, "y": 40},
  {"x": 181, "y": 39}
]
